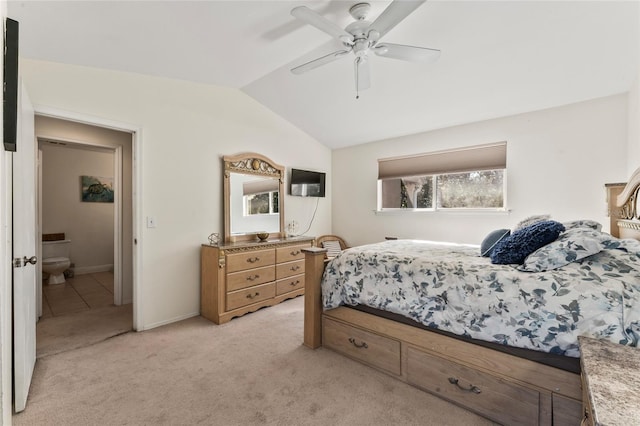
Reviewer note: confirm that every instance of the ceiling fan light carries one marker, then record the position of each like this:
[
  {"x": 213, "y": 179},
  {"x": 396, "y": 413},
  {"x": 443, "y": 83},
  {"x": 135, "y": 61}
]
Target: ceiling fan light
[
  {"x": 373, "y": 37},
  {"x": 381, "y": 49},
  {"x": 347, "y": 41}
]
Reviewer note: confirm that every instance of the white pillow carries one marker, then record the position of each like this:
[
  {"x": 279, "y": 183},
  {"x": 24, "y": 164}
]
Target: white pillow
[{"x": 333, "y": 247}]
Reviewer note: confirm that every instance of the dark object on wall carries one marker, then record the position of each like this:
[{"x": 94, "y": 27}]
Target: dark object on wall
[
  {"x": 305, "y": 183},
  {"x": 10, "y": 80},
  {"x": 53, "y": 237}
]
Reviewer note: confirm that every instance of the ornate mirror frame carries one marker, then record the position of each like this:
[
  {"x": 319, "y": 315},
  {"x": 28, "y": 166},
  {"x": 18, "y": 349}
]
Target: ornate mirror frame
[{"x": 251, "y": 163}]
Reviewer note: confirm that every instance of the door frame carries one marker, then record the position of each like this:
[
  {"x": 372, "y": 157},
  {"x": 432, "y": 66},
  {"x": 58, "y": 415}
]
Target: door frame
[
  {"x": 136, "y": 187},
  {"x": 117, "y": 210}
]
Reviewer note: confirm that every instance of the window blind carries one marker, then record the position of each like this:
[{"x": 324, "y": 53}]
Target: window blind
[{"x": 480, "y": 157}]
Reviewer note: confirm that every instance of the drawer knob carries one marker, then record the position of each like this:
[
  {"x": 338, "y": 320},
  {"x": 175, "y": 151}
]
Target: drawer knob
[
  {"x": 295, "y": 253},
  {"x": 253, "y": 278},
  {"x": 253, "y": 259},
  {"x": 295, "y": 268},
  {"x": 294, "y": 283},
  {"x": 471, "y": 388},
  {"x": 358, "y": 345},
  {"x": 251, "y": 296}
]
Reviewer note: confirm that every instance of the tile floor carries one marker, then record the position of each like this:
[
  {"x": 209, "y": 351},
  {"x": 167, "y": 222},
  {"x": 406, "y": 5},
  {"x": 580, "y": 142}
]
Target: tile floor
[{"x": 80, "y": 293}]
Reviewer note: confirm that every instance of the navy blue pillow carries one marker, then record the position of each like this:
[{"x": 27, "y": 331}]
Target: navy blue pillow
[
  {"x": 523, "y": 242},
  {"x": 490, "y": 241}
]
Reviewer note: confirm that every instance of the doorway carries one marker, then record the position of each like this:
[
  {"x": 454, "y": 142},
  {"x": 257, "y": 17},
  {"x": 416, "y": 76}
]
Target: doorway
[{"x": 95, "y": 301}]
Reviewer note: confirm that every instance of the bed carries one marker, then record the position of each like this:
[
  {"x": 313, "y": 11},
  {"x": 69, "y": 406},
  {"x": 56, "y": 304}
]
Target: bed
[{"x": 495, "y": 339}]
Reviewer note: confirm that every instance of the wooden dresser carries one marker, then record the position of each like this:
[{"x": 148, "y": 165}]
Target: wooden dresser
[{"x": 237, "y": 278}]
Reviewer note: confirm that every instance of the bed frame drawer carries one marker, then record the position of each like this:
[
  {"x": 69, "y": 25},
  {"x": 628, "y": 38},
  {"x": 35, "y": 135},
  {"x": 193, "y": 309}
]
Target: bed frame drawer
[
  {"x": 237, "y": 299},
  {"x": 566, "y": 411},
  {"x": 370, "y": 348},
  {"x": 500, "y": 400}
]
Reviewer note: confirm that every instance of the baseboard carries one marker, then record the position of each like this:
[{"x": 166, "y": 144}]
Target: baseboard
[
  {"x": 169, "y": 321},
  {"x": 80, "y": 270}
]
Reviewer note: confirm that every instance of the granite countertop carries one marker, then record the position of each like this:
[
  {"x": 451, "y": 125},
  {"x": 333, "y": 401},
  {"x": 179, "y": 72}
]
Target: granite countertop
[{"x": 612, "y": 376}]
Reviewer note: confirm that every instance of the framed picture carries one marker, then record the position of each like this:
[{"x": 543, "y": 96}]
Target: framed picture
[{"x": 95, "y": 189}]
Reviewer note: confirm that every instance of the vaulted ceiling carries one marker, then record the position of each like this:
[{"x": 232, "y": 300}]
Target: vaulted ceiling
[{"x": 498, "y": 57}]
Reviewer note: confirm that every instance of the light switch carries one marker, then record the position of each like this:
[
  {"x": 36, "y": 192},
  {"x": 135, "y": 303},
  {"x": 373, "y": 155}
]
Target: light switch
[{"x": 151, "y": 222}]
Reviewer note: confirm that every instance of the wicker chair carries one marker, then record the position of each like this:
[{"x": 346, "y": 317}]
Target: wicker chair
[{"x": 321, "y": 239}]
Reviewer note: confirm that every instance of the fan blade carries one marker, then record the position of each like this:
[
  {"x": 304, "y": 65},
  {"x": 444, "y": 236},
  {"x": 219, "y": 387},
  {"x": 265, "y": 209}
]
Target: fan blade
[
  {"x": 313, "y": 18},
  {"x": 318, "y": 62},
  {"x": 407, "y": 53},
  {"x": 393, "y": 14},
  {"x": 363, "y": 74}
]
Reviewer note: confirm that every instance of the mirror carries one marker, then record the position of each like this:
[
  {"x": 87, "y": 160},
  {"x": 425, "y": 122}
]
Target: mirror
[{"x": 253, "y": 197}]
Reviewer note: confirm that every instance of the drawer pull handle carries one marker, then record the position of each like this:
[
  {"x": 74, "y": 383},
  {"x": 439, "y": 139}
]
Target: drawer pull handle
[
  {"x": 358, "y": 345},
  {"x": 253, "y": 259},
  {"x": 293, "y": 284},
  {"x": 251, "y": 296},
  {"x": 295, "y": 253},
  {"x": 471, "y": 388},
  {"x": 295, "y": 268},
  {"x": 253, "y": 278}
]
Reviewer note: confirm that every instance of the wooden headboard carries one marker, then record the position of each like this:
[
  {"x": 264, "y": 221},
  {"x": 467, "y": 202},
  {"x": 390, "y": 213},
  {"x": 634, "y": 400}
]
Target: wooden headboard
[{"x": 622, "y": 200}]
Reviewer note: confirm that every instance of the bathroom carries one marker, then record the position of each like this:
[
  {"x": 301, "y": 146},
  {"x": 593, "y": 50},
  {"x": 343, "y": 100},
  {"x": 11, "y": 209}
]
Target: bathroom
[{"x": 81, "y": 170}]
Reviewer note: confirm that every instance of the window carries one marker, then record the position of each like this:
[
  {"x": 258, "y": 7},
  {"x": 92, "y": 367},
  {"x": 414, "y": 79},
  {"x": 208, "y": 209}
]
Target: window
[
  {"x": 468, "y": 178},
  {"x": 264, "y": 203},
  {"x": 260, "y": 197}
]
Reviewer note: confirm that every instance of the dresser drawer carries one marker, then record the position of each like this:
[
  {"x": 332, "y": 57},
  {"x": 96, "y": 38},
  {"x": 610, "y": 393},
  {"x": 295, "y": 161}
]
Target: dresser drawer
[
  {"x": 240, "y": 298},
  {"x": 503, "y": 401},
  {"x": 289, "y": 269},
  {"x": 250, "y": 277},
  {"x": 250, "y": 260},
  {"x": 370, "y": 348},
  {"x": 289, "y": 284},
  {"x": 287, "y": 254}
]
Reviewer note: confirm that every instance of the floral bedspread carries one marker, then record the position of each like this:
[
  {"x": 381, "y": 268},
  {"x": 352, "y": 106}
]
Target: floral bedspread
[{"x": 452, "y": 288}]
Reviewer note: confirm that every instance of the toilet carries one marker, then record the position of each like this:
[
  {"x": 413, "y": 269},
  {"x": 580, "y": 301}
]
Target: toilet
[{"x": 55, "y": 259}]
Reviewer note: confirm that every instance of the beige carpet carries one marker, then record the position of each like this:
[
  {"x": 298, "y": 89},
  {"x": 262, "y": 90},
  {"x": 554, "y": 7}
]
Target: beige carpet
[
  {"x": 73, "y": 331},
  {"x": 252, "y": 370}
]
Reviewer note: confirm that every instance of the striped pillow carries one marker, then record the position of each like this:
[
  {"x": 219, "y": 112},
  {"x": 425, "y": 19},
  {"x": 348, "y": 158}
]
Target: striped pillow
[{"x": 333, "y": 248}]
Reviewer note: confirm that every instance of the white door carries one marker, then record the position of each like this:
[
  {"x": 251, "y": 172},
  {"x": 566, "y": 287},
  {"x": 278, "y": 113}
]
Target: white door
[{"x": 24, "y": 250}]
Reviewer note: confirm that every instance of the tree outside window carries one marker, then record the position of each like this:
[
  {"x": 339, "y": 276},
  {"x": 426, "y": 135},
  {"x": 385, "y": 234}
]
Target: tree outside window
[{"x": 469, "y": 190}]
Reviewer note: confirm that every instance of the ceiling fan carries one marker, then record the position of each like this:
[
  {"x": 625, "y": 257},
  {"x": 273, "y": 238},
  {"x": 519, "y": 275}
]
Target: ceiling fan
[{"x": 362, "y": 37}]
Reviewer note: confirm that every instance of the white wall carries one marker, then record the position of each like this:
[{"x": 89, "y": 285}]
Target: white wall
[
  {"x": 186, "y": 128},
  {"x": 89, "y": 226},
  {"x": 634, "y": 127},
  {"x": 558, "y": 161}
]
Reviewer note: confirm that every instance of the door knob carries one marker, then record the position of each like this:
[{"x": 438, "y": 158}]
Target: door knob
[
  {"x": 32, "y": 260},
  {"x": 19, "y": 263}
]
